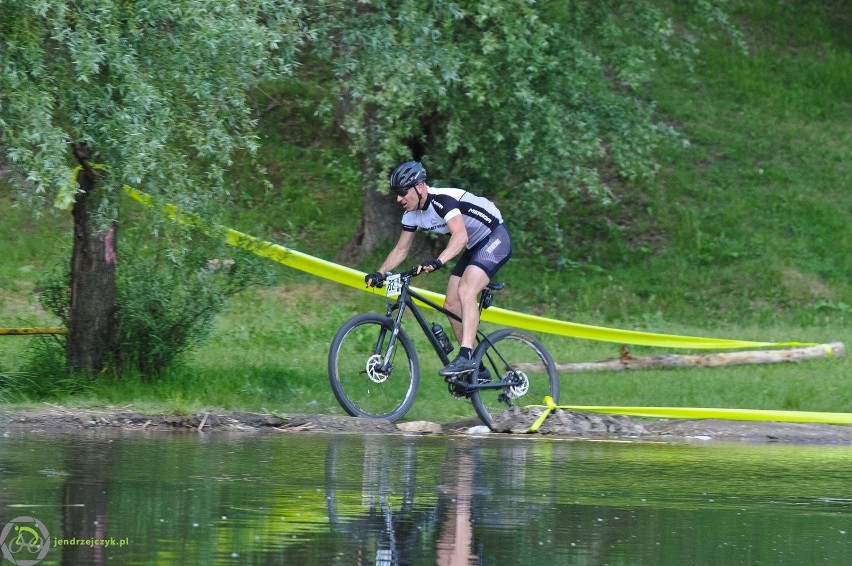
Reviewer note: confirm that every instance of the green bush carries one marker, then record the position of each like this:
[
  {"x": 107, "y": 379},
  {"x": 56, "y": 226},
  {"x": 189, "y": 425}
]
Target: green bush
[{"x": 167, "y": 297}]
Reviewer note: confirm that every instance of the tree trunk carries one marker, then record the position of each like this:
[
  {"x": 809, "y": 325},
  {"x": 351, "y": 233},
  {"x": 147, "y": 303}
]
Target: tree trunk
[
  {"x": 91, "y": 326},
  {"x": 379, "y": 225},
  {"x": 379, "y": 229}
]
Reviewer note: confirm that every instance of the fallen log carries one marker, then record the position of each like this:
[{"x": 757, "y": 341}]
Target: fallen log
[{"x": 627, "y": 361}]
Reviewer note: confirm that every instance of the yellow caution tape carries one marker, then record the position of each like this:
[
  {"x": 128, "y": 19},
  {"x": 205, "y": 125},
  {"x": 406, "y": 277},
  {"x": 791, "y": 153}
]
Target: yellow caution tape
[
  {"x": 28, "y": 331},
  {"x": 699, "y": 413},
  {"x": 355, "y": 279},
  {"x": 550, "y": 406},
  {"x": 563, "y": 328},
  {"x": 275, "y": 252}
]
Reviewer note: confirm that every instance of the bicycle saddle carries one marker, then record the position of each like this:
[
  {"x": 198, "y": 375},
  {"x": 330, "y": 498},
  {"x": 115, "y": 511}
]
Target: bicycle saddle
[{"x": 495, "y": 286}]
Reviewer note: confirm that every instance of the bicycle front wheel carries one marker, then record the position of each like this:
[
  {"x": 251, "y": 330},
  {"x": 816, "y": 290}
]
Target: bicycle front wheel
[
  {"x": 524, "y": 367},
  {"x": 363, "y": 383}
]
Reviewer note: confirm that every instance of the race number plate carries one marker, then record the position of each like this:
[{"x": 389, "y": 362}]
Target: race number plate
[{"x": 393, "y": 285}]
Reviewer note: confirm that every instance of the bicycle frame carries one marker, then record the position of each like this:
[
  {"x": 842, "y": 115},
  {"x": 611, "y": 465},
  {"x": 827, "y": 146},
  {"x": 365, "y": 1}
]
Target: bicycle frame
[
  {"x": 374, "y": 369},
  {"x": 406, "y": 300}
]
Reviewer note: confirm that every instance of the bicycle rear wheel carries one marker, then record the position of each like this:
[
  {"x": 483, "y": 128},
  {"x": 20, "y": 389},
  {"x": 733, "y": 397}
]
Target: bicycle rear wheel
[
  {"x": 520, "y": 362},
  {"x": 362, "y": 386}
]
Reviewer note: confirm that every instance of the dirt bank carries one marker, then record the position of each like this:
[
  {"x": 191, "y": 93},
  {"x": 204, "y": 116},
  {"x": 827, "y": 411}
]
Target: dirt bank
[{"x": 53, "y": 419}]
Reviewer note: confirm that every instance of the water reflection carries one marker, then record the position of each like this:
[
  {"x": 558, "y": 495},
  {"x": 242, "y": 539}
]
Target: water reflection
[
  {"x": 378, "y": 527},
  {"x": 85, "y": 498},
  {"x": 376, "y": 499},
  {"x": 455, "y": 544},
  {"x": 386, "y": 526}
]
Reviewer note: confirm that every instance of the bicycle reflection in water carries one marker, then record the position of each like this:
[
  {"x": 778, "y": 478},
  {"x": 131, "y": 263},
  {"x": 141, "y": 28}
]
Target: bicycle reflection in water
[{"x": 377, "y": 512}]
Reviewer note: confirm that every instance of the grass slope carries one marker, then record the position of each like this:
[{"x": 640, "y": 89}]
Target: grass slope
[{"x": 743, "y": 234}]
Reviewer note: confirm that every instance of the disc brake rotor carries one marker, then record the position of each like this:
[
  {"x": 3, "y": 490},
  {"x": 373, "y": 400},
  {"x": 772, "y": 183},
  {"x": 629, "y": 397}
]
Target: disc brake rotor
[
  {"x": 374, "y": 366},
  {"x": 520, "y": 384}
]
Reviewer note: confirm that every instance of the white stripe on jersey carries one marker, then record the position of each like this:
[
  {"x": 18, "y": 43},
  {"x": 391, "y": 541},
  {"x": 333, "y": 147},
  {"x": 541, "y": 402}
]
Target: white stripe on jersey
[{"x": 480, "y": 215}]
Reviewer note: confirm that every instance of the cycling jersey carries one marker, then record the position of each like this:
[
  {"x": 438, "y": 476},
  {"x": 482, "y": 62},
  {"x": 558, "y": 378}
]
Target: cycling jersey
[{"x": 480, "y": 215}]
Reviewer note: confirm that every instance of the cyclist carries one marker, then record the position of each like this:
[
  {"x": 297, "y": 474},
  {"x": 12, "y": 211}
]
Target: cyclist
[{"x": 476, "y": 231}]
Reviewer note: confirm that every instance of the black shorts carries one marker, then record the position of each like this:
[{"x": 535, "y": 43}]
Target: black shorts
[{"x": 489, "y": 254}]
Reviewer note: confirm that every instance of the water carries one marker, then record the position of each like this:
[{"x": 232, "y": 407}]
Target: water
[{"x": 303, "y": 498}]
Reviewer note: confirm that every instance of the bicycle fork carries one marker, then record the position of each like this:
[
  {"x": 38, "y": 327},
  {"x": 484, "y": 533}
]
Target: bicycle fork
[{"x": 394, "y": 337}]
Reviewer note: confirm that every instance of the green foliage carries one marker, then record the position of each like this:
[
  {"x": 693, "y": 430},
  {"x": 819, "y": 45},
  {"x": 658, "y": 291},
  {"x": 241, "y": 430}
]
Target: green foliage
[
  {"x": 166, "y": 307},
  {"x": 157, "y": 90},
  {"x": 741, "y": 234},
  {"x": 306, "y": 204},
  {"x": 43, "y": 375},
  {"x": 167, "y": 302},
  {"x": 152, "y": 93},
  {"x": 529, "y": 102}
]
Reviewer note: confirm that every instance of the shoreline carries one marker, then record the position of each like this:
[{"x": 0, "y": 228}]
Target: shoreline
[{"x": 54, "y": 419}]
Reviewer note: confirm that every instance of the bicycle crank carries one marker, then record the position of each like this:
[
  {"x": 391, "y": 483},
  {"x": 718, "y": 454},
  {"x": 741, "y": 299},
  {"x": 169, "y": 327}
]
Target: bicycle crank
[{"x": 456, "y": 387}]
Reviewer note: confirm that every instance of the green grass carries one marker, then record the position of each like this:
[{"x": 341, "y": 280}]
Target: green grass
[
  {"x": 743, "y": 234},
  {"x": 268, "y": 353}
]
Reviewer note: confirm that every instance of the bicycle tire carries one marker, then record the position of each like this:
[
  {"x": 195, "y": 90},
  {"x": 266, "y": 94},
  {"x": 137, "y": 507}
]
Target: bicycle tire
[
  {"x": 510, "y": 353},
  {"x": 365, "y": 393}
]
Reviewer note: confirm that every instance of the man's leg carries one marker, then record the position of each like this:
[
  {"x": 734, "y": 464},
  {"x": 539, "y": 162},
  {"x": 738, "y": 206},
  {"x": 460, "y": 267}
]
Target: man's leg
[
  {"x": 453, "y": 304},
  {"x": 464, "y": 291},
  {"x": 470, "y": 276},
  {"x": 472, "y": 282}
]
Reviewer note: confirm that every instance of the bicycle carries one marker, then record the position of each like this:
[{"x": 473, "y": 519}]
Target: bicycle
[{"x": 375, "y": 372}]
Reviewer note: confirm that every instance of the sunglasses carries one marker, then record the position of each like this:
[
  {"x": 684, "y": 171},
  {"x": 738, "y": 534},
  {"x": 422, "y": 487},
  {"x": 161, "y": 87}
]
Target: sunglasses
[{"x": 402, "y": 191}]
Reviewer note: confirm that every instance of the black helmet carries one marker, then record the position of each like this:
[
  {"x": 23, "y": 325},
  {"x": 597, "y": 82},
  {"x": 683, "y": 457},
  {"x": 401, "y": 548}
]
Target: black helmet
[{"x": 406, "y": 176}]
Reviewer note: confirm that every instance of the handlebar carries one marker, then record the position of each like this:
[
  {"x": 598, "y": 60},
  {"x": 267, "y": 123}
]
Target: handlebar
[
  {"x": 410, "y": 273},
  {"x": 405, "y": 275}
]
